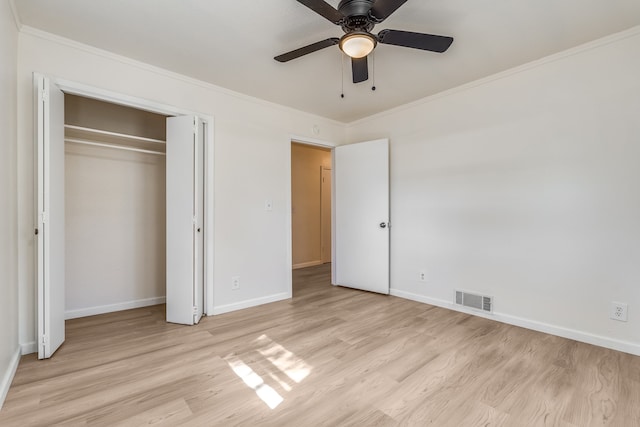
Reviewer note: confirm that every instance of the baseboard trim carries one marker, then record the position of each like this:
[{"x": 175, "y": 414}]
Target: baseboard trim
[
  {"x": 250, "y": 303},
  {"x": 7, "y": 378},
  {"x": 573, "y": 334},
  {"x": 102, "y": 309},
  {"x": 28, "y": 348},
  {"x": 307, "y": 264}
]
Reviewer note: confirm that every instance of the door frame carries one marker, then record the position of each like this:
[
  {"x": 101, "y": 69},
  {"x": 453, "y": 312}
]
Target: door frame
[
  {"x": 80, "y": 89},
  {"x": 312, "y": 142}
]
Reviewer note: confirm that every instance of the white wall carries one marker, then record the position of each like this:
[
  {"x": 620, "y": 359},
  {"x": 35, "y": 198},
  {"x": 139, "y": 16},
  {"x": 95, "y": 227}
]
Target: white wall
[
  {"x": 9, "y": 349},
  {"x": 524, "y": 186},
  {"x": 115, "y": 229},
  {"x": 252, "y": 151}
]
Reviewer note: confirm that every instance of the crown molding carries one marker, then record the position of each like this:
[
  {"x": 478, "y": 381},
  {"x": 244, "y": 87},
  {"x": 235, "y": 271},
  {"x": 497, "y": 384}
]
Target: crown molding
[
  {"x": 16, "y": 17},
  {"x": 54, "y": 38},
  {"x": 613, "y": 38}
]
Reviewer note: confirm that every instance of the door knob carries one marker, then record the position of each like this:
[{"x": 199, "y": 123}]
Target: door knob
[{"x": 383, "y": 225}]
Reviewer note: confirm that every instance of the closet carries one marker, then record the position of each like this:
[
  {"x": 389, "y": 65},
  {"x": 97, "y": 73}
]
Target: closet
[
  {"x": 120, "y": 209},
  {"x": 114, "y": 207}
]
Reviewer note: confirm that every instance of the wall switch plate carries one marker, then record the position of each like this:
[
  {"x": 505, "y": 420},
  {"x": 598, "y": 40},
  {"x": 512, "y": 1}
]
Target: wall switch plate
[
  {"x": 235, "y": 282},
  {"x": 618, "y": 311},
  {"x": 268, "y": 205},
  {"x": 422, "y": 276}
]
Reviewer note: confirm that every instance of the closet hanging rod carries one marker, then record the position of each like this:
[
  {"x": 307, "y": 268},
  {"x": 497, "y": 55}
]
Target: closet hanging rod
[
  {"x": 108, "y": 133},
  {"x": 117, "y": 147}
]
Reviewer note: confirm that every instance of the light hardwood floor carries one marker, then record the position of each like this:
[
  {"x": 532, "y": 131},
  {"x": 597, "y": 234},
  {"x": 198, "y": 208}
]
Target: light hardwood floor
[{"x": 330, "y": 356}]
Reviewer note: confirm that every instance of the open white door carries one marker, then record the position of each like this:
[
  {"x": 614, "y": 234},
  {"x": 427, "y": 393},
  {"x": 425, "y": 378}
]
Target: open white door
[
  {"x": 49, "y": 116},
  {"x": 185, "y": 208},
  {"x": 198, "y": 209},
  {"x": 325, "y": 214},
  {"x": 362, "y": 216}
]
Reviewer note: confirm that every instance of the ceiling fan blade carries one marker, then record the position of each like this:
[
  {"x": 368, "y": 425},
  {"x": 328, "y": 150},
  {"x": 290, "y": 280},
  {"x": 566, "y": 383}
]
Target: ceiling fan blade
[
  {"x": 307, "y": 49},
  {"x": 383, "y": 8},
  {"x": 360, "y": 69},
  {"x": 422, "y": 41},
  {"x": 323, "y": 8}
]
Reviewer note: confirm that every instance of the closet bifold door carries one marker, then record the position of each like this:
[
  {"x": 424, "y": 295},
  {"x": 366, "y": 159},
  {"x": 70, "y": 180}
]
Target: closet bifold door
[
  {"x": 49, "y": 230},
  {"x": 185, "y": 181}
]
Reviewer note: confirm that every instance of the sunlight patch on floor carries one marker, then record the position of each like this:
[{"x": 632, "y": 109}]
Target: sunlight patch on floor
[
  {"x": 284, "y": 360},
  {"x": 283, "y": 384},
  {"x": 293, "y": 366},
  {"x": 254, "y": 381}
]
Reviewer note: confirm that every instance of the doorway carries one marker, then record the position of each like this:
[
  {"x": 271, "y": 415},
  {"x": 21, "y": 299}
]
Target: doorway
[
  {"x": 360, "y": 225},
  {"x": 311, "y": 205}
]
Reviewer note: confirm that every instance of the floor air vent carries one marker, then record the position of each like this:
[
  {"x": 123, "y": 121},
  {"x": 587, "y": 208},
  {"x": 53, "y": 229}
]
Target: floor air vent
[{"x": 479, "y": 302}]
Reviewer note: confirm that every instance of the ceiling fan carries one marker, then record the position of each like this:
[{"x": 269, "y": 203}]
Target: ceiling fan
[{"x": 357, "y": 18}]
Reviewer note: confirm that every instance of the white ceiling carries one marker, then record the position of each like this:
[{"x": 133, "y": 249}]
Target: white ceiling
[{"x": 232, "y": 43}]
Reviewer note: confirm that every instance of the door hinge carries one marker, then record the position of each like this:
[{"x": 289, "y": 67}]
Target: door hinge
[
  {"x": 195, "y": 310},
  {"x": 44, "y": 340},
  {"x": 44, "y": 95},
  {"x": 43, "y": 217},
  {"x": 195, "y": 220}
]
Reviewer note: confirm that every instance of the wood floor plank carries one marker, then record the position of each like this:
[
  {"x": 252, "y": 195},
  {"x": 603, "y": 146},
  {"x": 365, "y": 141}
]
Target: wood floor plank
[
  {"x": 330, "y": 356},
  {"x": 169, "y": 414}
]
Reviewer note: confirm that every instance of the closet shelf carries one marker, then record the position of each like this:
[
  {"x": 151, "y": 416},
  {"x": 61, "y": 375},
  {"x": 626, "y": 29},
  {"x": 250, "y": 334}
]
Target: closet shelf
[
  {"x": 119, "y": 147},
  {"x": 106, "y": 139},
  {"x": 90, "y": 131}
]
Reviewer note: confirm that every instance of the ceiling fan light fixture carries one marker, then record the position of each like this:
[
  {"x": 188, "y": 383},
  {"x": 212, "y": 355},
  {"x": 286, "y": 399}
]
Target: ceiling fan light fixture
[{"x": 357, "y": 44}]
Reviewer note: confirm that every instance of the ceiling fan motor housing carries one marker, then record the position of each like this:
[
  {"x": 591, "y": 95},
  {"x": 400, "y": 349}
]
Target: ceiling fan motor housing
[{"x": 356, "y": 15}]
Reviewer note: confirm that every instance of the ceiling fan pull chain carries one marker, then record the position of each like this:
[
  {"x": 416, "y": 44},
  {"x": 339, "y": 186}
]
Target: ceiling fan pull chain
[
  {"x": 373, "y": 70},
  {"x": 342, "y": 74}
]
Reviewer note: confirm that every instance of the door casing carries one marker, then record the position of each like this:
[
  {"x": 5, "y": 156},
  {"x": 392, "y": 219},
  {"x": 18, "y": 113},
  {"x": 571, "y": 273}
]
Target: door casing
[{"x": 314, "y": 143}]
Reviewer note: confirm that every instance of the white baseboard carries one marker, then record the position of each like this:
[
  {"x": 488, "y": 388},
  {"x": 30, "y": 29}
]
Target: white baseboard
[
  {"x": 307, "y": 264},
  {"x": 250, "y": 303},
  {"x": 599, "y": 340},
  {"x": 9, "y": 373},
  {"x": 101, "y": 309},
  {"x": 28, "y": 348}
]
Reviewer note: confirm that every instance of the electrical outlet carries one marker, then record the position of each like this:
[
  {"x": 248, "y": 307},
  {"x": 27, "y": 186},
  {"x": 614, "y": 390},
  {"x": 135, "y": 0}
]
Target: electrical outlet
[
  {"x": 235, "y": 282},
  {"x": 618, "y": 311},
  {"x": 422, "y": 276}
]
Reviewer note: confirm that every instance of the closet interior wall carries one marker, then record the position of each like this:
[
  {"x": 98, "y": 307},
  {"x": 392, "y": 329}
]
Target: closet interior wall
[{"x": 115, "y": 207}]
